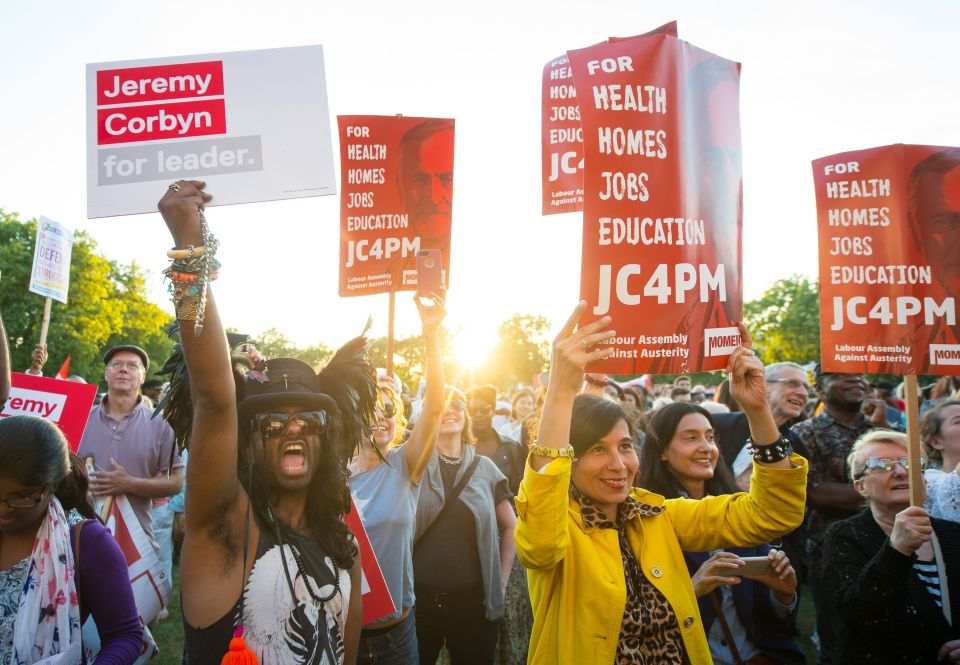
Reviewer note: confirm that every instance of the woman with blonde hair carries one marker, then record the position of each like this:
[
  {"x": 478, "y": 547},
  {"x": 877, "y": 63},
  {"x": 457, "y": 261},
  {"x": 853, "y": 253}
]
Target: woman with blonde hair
[
  {"x": 888, "y": 566},
  {"x": 385, "y": 484}
]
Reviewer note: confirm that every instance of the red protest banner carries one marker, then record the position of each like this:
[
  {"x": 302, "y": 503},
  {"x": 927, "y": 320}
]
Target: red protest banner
[
  {"x": 63, "y": 402},
  {"x": 377, "y": 602},
  {"x": 889, "y": 242},
  {"x": 561, "y": 139},
  {"x": 396, "y": 198},
  {"x": 663, "y": 204}
]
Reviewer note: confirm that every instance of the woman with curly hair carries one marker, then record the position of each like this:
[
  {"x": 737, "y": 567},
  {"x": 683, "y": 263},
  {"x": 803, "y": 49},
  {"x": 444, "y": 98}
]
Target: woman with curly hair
[{"x": 384, "y": 479}]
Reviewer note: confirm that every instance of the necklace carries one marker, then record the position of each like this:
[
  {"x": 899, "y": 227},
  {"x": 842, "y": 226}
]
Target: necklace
[
  {"x": 453, "y": 461},
  {"x": 318, "y": 601},
  {"x": 303, "y": 575}
]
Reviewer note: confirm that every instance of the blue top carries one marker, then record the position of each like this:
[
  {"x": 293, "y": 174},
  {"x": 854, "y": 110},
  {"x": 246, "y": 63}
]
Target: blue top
[{"x": 386, "y": 499}]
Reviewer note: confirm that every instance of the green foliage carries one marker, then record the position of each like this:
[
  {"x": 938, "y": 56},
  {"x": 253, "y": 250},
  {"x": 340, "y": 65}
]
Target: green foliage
[
  {"x": 523, "y": 350},
  {"x": 274, "y": 344},
  {"x": 106, "y": 305},
  {"x": 410, "y": 357},
  {"x": 785, "y": 321}
]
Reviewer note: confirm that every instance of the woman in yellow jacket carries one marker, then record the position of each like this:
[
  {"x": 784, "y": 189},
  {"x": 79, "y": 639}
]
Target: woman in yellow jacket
[{"x": 608, "y": 582}]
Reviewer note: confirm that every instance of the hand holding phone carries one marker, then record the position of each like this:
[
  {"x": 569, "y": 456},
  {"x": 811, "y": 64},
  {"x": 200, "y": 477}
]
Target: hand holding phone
[
  {"x": 429, "y": 272},
  {"x": 755, "y": 565}
]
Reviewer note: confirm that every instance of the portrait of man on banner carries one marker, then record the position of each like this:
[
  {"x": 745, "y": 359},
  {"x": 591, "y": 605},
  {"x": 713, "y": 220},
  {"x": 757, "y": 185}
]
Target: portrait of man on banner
[
  {"x": 425, "y": 179},
  {"x": 713, "y": 179},
  {"x": 397, "y": 199},
  {"x": 933, "y": 200}
]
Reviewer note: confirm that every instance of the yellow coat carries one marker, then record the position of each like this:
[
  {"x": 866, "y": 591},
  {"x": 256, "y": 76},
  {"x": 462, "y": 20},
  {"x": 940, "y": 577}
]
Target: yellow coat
[{"x": 576, "y": 576}]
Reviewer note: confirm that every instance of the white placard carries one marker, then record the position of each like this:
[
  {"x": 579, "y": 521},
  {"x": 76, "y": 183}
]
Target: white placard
[
  {"x": 50, "y": 276},
  {"x": 254, "y": 125}
]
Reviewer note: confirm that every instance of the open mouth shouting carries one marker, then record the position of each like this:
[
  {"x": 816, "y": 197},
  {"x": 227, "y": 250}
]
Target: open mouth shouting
[{"x": 293, "y": 458}]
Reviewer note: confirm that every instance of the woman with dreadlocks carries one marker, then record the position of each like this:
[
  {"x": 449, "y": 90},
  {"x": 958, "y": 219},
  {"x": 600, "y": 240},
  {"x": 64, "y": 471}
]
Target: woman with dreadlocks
[
  {"x": 267, "y": 558},
  {"x": 385, "y": 480}
]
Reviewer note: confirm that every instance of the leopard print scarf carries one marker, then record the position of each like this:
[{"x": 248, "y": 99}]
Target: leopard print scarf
[{"x": 649, "y": 633}]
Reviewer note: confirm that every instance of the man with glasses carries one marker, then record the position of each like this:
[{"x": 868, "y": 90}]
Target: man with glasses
[
  {"x": 828, "y": 439},
  {"x": 133, "y": 454},
  {"x": 787, "y": 393}
]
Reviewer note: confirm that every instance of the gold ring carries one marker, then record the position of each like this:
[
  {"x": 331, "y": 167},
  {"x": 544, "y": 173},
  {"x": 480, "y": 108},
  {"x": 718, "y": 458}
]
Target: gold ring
[{"x": 175, "y": 186}]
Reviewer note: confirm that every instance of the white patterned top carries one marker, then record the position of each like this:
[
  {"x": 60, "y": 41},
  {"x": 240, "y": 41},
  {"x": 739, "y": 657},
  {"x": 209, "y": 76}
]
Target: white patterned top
[{"x": 943, "y": 494}]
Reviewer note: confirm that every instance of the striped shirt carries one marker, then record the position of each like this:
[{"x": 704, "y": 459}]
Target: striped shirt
[{"x": 926, "y": 572}]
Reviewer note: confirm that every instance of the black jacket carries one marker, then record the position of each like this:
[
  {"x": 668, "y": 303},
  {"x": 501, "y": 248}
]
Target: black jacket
[{"x": 886, "y": 615}]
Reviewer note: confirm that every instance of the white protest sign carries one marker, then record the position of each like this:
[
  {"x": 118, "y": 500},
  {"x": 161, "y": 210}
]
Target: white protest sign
[
  {"x": 50, "y": 276},
  {"x": 254, "y": 125}
]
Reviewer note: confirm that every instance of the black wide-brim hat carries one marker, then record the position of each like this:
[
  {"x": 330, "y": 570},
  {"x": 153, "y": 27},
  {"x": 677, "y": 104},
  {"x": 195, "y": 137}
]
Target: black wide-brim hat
[{"x": 286, "y": 382}]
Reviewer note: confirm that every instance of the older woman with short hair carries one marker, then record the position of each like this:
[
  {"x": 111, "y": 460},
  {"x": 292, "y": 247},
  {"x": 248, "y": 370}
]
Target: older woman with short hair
[{"x": 887, "y": 568}]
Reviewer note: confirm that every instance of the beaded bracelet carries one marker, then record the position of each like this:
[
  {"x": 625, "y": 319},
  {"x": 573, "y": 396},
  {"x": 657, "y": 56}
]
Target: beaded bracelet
[{"x": 189, "y": 273}]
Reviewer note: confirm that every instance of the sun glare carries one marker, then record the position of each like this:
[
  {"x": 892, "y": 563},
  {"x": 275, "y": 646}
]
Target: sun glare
[{"x": 472, "y": 346}]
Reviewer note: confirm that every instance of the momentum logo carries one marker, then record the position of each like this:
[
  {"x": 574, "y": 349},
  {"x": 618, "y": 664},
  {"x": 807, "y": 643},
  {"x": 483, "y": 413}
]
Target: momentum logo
[
  {"x": 720, "y": 341},
  {"x": 945, "y": 354}
]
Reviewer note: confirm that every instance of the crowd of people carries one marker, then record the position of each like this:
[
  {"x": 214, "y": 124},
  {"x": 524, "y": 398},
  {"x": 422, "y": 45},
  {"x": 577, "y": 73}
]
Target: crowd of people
[{"x": 584, "y": 520}]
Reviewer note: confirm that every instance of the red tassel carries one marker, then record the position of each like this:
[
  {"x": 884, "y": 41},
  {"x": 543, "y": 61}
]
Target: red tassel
[{"x": 239, "y": 654}]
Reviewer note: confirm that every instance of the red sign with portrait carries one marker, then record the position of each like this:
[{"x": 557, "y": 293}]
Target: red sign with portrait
[
  {"x": 396, "y": 198},
  {"x": 663, "y": 202},
  {"x": 561, "y": 140},
  {"x": 889, "y": 236},
  {"x": 65, "y": 403}
]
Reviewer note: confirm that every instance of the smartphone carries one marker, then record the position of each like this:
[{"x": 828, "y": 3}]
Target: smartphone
[
  {"x": 754, "y": 565},
  {"x": 429, "y": 272}
]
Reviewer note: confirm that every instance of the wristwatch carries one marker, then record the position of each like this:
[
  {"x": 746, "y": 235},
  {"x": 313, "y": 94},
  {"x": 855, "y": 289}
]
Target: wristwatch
[
  {"x": 773, "y": 452},
  {"x": 537, "y": 449}
]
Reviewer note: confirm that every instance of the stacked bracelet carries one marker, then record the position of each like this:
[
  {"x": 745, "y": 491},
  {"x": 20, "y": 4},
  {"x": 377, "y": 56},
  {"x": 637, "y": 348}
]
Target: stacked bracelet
[
  {"x": 189, "y": 273},
  {"x": 770, "y": 453}
]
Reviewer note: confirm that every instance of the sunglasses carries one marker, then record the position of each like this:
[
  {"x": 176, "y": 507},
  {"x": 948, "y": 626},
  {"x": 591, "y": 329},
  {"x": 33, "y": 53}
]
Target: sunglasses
[
  {"x": 276, "y": 423},
  {"x": 457, "y": 405},
  {"x": 884, "y": 465},
  {"x": 389, "y": 409}
]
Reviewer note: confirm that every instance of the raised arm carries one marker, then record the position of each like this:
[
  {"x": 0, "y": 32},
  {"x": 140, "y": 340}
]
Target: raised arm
[
  {"x": 423, "y": 438},
  {"x": 749, "y": 387},
  {"x": 573, "y": 349},
  {"x": 542, "y": 537},
  {"x": 212, "y": 474}
]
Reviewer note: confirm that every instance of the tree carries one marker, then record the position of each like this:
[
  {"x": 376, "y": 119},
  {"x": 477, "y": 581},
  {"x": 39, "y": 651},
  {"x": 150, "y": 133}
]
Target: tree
[
  {"x": 106, "y": 305},
  {"x": 522, "y": 352},
  {"x": 785, "y": 321},
  {"x": 409, "y": 357},
  {"x": 274, "y": 344}
]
